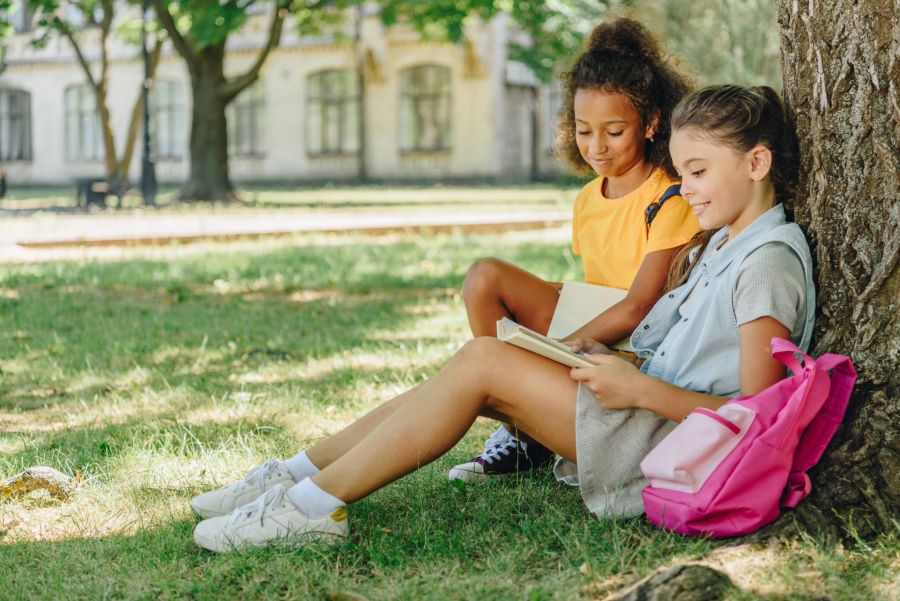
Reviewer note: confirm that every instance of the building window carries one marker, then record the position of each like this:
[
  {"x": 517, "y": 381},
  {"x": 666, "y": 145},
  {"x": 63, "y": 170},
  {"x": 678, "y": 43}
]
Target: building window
[
  {"x": 84, "y": 139},
  {"x": 167, "y": 127},
  {"x": 245, "y": 122},
  {"x": 15, "y": 125},
  {"x": 425, "y": 100},
  {"x": 332, "y": 113}
]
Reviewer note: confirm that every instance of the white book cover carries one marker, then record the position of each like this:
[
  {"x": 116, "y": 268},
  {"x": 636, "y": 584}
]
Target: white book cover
[
  {"x": 520, "y": 336},
  {"x": 579, "y": 303}
]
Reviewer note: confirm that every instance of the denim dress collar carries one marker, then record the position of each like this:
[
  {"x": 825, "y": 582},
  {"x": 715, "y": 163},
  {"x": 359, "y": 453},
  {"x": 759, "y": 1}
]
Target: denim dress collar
[{"x": 700, "y": 349}]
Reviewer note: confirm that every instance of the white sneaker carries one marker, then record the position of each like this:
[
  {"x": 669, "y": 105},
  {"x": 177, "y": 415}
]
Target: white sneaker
[
  {"x": 271, "y": 519},
  {"x": 228, "y": 498}
]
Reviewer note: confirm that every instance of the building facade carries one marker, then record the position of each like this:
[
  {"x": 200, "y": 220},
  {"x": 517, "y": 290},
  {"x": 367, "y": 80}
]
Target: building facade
[{"x": 385, "y": 102}]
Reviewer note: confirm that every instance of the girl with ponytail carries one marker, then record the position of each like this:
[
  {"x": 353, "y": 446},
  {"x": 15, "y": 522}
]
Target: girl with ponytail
[
  {"x": 614, "y": 124},
  {"x": 701, "y": 343}
]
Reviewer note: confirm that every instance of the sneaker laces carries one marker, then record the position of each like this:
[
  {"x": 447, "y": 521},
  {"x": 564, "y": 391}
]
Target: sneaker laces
[
  {"x": 272, "y": 497},
  {"x": 500, "y": 443},
  {"x": 259, "y": 474}
]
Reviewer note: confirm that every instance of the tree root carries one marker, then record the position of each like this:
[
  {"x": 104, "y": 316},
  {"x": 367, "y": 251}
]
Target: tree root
[
  {"x": 59, "y": 485},
  {"x": 683, "y": 582}
]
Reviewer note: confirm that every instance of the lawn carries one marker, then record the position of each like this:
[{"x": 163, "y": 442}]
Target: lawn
[{"x": 171, "y": 371}]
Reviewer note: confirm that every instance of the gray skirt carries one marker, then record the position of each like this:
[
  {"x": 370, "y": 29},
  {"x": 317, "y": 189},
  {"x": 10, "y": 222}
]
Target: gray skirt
[{"x": 610, "y": 445}]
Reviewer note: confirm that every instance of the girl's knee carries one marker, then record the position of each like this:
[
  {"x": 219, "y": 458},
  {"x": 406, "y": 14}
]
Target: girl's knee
[
  {"x": 482, "y": 277},
  {"x": 479, "y": 351}
]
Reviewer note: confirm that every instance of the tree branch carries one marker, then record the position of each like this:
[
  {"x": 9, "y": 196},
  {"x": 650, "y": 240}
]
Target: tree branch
[
  {"x": 136, "y": 112},
  {"x": 231, "y": 88},
  {"x": 182, "y": 46},
  {"x": 67, "y": 32},
  {"x": 105, "y": 27}
]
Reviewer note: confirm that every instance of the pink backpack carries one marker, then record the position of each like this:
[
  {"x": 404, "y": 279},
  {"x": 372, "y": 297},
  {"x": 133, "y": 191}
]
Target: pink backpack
[{"x": 728, "y": 472}]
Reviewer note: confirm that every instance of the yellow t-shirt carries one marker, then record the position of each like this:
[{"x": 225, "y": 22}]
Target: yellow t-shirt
[{"x": 611, "y": 234}]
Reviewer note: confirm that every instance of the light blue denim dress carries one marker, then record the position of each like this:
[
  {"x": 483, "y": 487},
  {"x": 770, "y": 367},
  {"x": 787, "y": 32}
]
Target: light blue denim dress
[{"x": 697, "y": 349}]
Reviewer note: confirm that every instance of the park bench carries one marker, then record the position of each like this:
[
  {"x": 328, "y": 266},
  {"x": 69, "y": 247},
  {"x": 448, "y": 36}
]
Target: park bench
[{"x": 92, "y": 191}]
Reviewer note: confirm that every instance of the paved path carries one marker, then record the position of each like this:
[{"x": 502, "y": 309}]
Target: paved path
[{"x": 61, "y": 235}]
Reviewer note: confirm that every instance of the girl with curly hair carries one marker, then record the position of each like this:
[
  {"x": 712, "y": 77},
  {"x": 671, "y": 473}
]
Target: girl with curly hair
[{"x": 619, "y": 95}]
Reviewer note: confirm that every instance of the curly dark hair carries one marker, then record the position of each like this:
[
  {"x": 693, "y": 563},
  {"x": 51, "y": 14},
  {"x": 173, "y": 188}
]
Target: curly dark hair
[{"x": 622, "y": 57}]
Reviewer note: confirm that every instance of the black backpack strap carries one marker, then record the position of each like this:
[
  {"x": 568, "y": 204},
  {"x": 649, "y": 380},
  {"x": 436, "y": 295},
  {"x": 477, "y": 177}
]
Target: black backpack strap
[{"x": 653, "y": 208}]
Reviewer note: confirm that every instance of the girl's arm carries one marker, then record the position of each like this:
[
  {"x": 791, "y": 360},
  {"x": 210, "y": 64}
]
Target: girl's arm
[
  {"x": 618, "y": 384},
  {"x": 620, "y": 320}
]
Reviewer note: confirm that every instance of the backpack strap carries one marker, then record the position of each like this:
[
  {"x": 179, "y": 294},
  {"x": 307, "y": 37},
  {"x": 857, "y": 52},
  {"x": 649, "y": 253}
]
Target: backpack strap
[
  {"x": 786, "y": 351},
  {"x": 821, "y": 429},
  {"x": 654, "y": 207}
]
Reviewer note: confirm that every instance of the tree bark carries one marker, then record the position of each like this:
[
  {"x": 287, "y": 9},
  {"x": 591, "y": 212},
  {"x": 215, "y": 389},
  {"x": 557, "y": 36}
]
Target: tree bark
[
  {"x": 212, "y": 91},
  {"x": 209, "y": 178},
  {"x": 841, "y": 72}
]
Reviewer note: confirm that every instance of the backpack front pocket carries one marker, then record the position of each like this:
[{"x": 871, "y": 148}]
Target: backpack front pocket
[{"x": 686, "y": 458}]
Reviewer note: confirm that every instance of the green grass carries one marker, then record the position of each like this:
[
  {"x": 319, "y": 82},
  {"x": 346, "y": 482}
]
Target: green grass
[{"x": 173, "y": 370}]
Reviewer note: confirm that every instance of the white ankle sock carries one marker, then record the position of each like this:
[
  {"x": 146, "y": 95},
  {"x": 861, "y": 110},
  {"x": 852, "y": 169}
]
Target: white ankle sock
[
  {"x": 300, "y": 466},
  {"x": 312, "y": 500},
  {"x": 502, "y": 434},
  {"x": 511, "y": 435}
]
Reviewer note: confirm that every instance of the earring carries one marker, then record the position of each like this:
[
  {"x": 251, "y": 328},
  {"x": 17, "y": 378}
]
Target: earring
[{"x": 650, "y": 138}]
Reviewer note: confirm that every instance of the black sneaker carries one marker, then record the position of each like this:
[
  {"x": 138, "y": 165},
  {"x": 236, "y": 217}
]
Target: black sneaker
[{"x": 503, "y": 454}]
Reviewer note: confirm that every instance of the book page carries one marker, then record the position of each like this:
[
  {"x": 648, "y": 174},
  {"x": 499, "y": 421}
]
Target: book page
[
  {"x": 579, "y": 303},
  {"x": 518, "y": 335}
]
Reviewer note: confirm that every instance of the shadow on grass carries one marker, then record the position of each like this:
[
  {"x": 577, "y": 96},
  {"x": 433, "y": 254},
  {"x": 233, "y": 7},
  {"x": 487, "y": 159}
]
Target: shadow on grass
[
  {"x": 418, "y": 538},
  {"x": 200, "y": 343},
  {"x": 88, "y": 449},
  {"x": 85, "y": 448}
]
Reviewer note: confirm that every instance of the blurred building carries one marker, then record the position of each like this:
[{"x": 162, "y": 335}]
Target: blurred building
[{"x": 432, "y": 111}]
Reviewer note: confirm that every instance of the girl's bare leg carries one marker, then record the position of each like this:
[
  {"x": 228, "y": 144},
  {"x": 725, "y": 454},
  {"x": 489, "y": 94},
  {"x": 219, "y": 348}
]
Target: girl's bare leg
[
  {"x": 494, "y": 289},
  {"x": 328, "y": 450},
  {"x": 486, "y": 376}
]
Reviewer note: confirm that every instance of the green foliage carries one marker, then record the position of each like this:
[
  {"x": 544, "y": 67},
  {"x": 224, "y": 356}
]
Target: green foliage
[
  {"x": 209, "y": 23},
  {"x": 721, "y": 41},
  {"x": 556, "y": 28},
  {"x": 437, "y": 20},
  {"x": 318, "y": 18},
  {"x": 553, "y": 29},
  {"x": 54, "y": 17},
  {"x": 5, "y": 28},
  {"x": 206, "y": 23}
]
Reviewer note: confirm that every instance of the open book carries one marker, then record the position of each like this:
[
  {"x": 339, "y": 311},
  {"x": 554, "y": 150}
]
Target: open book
[
  {"x": 518, "y": 335},
  {"x": 578, "y": 304}
]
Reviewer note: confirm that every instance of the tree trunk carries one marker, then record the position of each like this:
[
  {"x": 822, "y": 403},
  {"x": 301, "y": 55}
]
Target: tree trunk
[
  {"x": 209, "y": 179},
  {"x": 118, "y": 178},
  {"x": 840, "y": 63}
]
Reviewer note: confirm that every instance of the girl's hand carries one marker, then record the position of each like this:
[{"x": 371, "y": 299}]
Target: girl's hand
[
  {"x": 587, "y": 346},
  {"x": 615, "y": 382}
]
